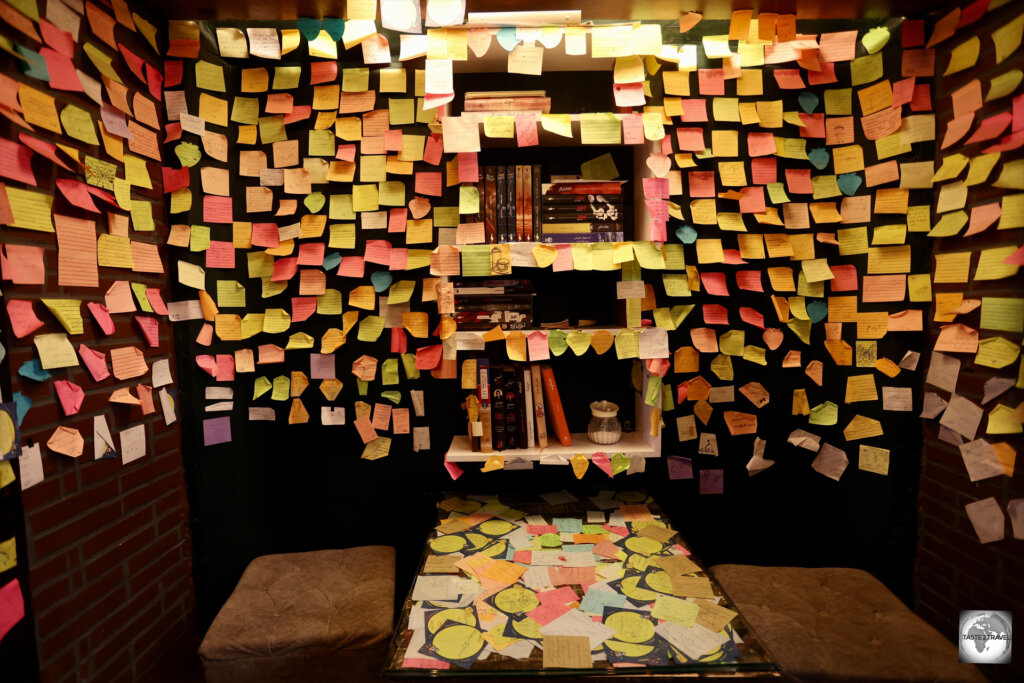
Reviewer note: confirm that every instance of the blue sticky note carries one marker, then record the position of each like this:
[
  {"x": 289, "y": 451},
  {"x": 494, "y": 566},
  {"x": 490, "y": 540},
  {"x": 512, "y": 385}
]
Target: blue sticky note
[
  {"x": 818, "y": 157},
  {"x": 507, "y": 38},
  {"x": 808, "y": 101},
  {"x": 849, "y": 183},
  {"x": 309, "y": 28},
  {"x": 34, "y": 65},
  {"x": 595, "y": 601},
  {"x": 23, "y": 403},
  {"x": 381, "y": 280},
  {"x": 332, "y": 261},
  {"x": 817, "y": 310},
  {"x": 33, "y": 370},
  {"x": 686, "y": 234},
  {"x": 335, "y": 27},
  {"x": 569, "y": 525}
]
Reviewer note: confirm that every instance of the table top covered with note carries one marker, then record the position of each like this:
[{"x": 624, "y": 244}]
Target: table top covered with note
[{"x": 553, "y": 583}]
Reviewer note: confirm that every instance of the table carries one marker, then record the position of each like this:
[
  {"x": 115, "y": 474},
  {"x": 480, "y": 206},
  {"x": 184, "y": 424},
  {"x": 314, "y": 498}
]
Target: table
[{"x": 554, "y": 585}]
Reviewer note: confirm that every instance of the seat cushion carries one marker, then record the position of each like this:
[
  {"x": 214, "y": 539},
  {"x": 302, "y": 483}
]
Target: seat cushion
[
  {"x": 306, "y": 607},
  {"x": 836, "y": 624}
]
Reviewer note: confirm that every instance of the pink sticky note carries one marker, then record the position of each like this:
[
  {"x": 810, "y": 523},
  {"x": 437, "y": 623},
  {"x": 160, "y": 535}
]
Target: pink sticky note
[
  {"x": 16, "y": 162},
  {"x": 428, "y": 357},
  {"x": 695, "y": 109},
  {"x": 798, "y": 180},
  {"x": 225, "y": 367},
  {"x": 63, "y": 75},
  {"x": 903, "y": 91},
  {"x": 155, "y": 81},
  {"x": 702, "y": 183},
  {"x": 95, "y": 362},
  {"x": 12, "y": 607},
  {"x": 714, "y": 284},
  {"x": 22, "y": 264},
  {"x": 70, "y": 396},
  {"x": 208, "y": 364},
  {"x": 150, "y": 329},
  {"x": 469, "y": 169},
  {"x": 749, "y": 280},
  {"x": 23, "y": 317},
  {"x": 690, "y": 139},
  {"x": 146, "y": 398},
  {"x": 302, "y": 308},
  {"x": 763, "y": 170},
  {"x": 990, "y": 127},
  {"x": 547, "y": 613},
  {"x": 397, "y": 219},
  {"x": 1016, "y": 258},
  {"x": 983, "y": 216},
  {"x": 537, "y": 345},
  {"x": 844, "y": 278},
  {"x": 710, "y": 82},
  {"x": 399, "y": 341},
  {"x": 351, "y": 266},
  {"x": 322, "y": 72},
  {"x": 760, "y": 144},
  {"x": 102, "y": 316},
  {"x": 57, "y": 38},
  {"x": 602, "y": 461},
  {"x": 399, "y": 258},
  {"x": 789, "y": 79},
  {"x": 629, "y": 94},
  {"x": 526, "y": 130},
  {"x": 752, "y": 317},
  {"x": 285, "y": 269},
  {"x": 217, "y": 209},
  {"x": 377, "y": 251},
  {"x": 429, "y": 183},
  {"x": 77, "y": 192},
  {"x": 454, "y": 471},
  {"x": 715, "y": 314},
  {"x": 632, "y": 129},
  {"x": 432, "y": 150},
  {"x": 216, "y": 430}
]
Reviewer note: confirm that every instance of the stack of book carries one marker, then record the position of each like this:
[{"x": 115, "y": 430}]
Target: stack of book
[
  {"x": 510, "y": 212},
  {"x": 582, "y": 211},
  {"x": 515, "y": 405},
  {"x": 482, "y": 304},
  {"x": 505, "y": 103}
]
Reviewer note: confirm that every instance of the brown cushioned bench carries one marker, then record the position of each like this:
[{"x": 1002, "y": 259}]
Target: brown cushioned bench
[
  {"x": 315, "y": 616},
  {"x": 839, "y": 625}
]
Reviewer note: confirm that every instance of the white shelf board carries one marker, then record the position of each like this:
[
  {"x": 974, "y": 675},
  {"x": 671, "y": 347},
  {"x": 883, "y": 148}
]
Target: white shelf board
[{"x": 631, "y": 443}]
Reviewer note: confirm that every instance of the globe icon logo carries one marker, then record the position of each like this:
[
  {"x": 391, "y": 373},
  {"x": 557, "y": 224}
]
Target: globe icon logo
[{"x": 985, "y": 636}]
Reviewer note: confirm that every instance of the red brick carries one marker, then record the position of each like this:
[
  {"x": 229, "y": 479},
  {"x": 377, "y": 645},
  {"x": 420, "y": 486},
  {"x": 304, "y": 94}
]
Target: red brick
[
  {"x": 72, "y": 506},
  {"x": 113, "y": 535},
  {"x": 118, "y": 553}
]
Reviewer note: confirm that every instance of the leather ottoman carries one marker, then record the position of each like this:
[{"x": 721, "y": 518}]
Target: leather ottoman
[
  {"x": 839, "y": 625},
  {"x": 315, "y": 616}
]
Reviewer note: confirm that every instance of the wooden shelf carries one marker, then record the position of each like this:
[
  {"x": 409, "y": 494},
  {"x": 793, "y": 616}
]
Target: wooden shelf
[
  {"x": 544, "y": 137},
  {"x": 631, "y": 443}
]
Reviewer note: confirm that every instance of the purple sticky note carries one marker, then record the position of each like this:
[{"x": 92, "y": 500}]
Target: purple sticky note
[
  {"x": 216, "y": 430},
  {"x": 321, "y": 366},
  {"x": 12, "y": 607},
  {"x": 679, "y": 467},
  {"x": 711, "y": 481}
]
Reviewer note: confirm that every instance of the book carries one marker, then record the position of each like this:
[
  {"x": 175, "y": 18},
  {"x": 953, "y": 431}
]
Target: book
[
  {"x": 497, "y": 389},
  {"x": 553, "y": 407},
  {"x": 483, "y": 392},
  {"x": 517, "y": 103},
  {"x": 486, "y": 94},
  {"x": 527, "y": 203},
  {"x": 582, "y": 238},
  {"x": 478, "y": 117},
  {"x": 577, "y": 227},
  {"x": 520, "y": 407},
  {"x": 540, "y": 417},
  {"x": 490, "y": 222},
  {"x": 583, "y": 212},
  {"x": 511, "y": 408},
  {"x": 499, "y": 200},
  {"x": 526, "y": 398},
  {"x": 520, "y": 198},
  {"x": 510, "y": 203},
  {"x": 583, "y": 187},
  {"x": 535, "y": 198},
  {"x": 560, "y": 200}
]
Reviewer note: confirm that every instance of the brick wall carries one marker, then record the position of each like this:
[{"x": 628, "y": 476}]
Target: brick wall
[
  {"x": 953, "y": 570},
  {"x": 108, "y": 543}
]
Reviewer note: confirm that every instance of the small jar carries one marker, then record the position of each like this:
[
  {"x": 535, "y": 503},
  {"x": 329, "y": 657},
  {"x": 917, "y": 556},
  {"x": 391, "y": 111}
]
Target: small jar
[{"x": 604, "y": 427}]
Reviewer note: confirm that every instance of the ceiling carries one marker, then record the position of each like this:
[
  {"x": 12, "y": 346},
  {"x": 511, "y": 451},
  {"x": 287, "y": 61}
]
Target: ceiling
[{"x": 270, "y": 10}]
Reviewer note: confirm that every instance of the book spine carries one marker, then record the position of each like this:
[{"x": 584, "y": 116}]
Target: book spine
[
  {"x": 528, "y": 407},
  {"x": 582, "y": 238},
  {"x": 583, "y": 212},
  {"x": 527, "y": 203},
  {"x": 500, "y": 202},
  {"x": 520, "y": 205},
  {"x": 498, "y": 408},
  {"x": 553, "y": 406},
  {"x": 480, "y": 190},
  {"x": 483, "y": 392},
  {"x": 535, "y": 201},
  {"x": 571, "y": 199},
  {"x": 582, "y": 188},
  {"x": 520, "y": 407},
  {"x": 508, "y": 104},
  {"x": 578, "y": 227},
  {"x": 490, "y": 222},
  {"x": 510, "y": 203},
  {"x": 473, "y": 414},
  {"x": 539, "y": 409},
  {"x": 511, "y": 409}
]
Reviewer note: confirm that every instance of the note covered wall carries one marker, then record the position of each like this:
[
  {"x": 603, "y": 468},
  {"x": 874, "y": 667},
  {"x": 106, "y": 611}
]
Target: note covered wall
[{"x": 86, "y": 334}]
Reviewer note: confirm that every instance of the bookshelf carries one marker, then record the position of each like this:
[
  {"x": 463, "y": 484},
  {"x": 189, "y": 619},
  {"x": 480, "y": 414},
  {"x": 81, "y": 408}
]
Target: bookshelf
[{"x": 639, "y": 442}]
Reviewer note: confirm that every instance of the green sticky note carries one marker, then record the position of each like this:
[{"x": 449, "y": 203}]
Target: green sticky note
[
  {"x": 282, "y": 387},
  {"x": 558, "y": 342},
  {"x": 389, "y": 371},
  {"x": 826, "y": 414},
  {"x": 409, "y": 365}
]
